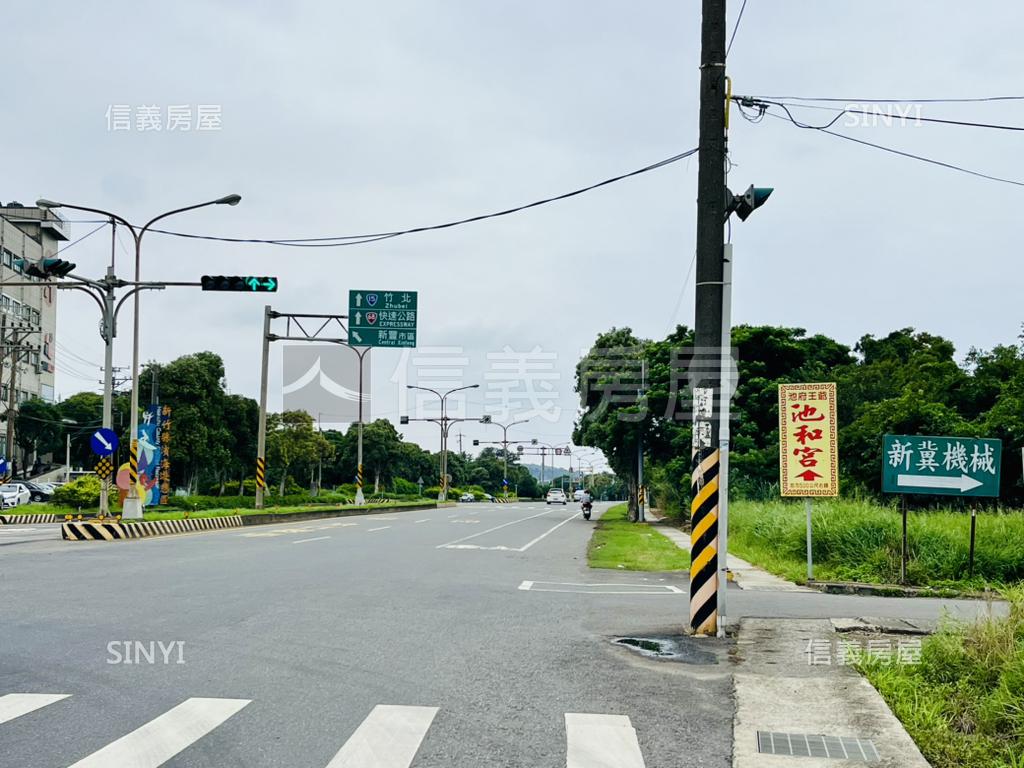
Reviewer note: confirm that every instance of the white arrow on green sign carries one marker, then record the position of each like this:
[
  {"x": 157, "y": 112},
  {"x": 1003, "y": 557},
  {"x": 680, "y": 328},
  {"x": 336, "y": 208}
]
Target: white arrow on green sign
[{"x": 943, "y": 465}]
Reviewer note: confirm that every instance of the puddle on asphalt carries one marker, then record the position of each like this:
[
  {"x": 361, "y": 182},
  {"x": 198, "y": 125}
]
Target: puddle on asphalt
[{"x": 681, "y": 649}]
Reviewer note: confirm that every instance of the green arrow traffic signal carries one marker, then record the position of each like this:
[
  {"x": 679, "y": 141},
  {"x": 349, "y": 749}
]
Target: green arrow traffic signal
[{"x": 250, "y": 283}]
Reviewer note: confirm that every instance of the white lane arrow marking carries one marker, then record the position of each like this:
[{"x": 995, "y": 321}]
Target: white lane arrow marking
[
  {"x": 962, "y": 483},
  {"x": 103, "y": 441}
]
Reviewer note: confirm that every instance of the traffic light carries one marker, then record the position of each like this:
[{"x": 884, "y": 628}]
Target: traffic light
[
  {"x": 250, "y": 283},
  {"x": 476, "y": 442},
  {"x": 45, "y": 268},
  {"x": 403, "y": 419},
  {"x": 744, "y": 205},
  {"x": 485, "y": 419}
]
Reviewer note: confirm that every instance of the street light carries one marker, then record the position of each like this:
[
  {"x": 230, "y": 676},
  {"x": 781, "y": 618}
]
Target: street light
[
  {"x": 133, "y": 504},
  {"x": 504, "y": 446},
  {"x": 444, "y": 423}
]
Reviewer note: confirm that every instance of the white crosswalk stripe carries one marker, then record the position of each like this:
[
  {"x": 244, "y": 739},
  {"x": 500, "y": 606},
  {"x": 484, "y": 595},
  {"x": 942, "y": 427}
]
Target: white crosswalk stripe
[
  {"x": 601, "y": 741},
  {"x": 389, "y": 737},
  {"x": 159, "y": 740},
  {"x": 17, "y": 704}
]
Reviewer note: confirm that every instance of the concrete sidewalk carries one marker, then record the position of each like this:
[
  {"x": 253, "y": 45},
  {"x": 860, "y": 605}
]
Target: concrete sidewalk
[
  {"x": 796, "y": 698},
  {"x": 745, "y": 575}
]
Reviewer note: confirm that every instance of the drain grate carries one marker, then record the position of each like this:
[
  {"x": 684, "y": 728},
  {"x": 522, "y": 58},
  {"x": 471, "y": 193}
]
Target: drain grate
[{"x": 817, "y": 745}]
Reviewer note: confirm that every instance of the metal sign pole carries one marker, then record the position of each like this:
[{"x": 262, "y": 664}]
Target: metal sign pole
[{"x": 808, "y": 503}]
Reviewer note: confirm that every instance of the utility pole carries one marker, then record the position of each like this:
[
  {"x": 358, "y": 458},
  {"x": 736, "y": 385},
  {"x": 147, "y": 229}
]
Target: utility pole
[
  {"x": 641, "y": 495},
  {"x": 711, "y": 212}
]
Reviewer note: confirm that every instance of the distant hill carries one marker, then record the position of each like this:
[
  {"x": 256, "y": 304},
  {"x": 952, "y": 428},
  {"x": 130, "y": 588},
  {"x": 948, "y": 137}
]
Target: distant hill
[{"x": 534, "y": 470}]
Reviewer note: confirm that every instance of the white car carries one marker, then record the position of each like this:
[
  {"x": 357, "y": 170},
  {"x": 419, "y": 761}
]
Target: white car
[
  {"x": 577, "y": 495},
  {"x": 467, "y": 497},
  {"x": 14, "y": 494},
  {"x": 556, "y": 496}
]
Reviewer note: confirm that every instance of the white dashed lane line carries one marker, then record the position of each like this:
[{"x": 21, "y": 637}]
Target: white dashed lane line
[{"x": 315, "y": 538}]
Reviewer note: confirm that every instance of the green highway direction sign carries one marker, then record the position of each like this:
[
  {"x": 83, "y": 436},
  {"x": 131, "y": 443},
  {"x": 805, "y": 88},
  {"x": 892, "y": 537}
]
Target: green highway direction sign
[
  {"x": 948, "y": 466},
  {"x": 382, "y": 318}
]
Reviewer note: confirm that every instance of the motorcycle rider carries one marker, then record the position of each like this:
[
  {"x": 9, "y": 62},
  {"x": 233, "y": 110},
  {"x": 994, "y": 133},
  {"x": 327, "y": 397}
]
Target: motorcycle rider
[{"x": 586, "y": 499}]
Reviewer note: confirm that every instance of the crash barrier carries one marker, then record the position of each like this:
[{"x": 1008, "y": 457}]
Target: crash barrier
[
  {"x": 94, "y": 530},
  {"x": 29, "y": 519}
]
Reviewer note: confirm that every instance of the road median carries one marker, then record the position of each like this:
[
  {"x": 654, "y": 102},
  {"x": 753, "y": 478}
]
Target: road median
[{"x": 113, "y": 530}]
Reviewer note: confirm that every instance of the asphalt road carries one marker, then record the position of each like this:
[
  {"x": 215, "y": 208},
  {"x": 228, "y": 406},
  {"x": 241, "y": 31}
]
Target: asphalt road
[{"x": 467, "y": 637}]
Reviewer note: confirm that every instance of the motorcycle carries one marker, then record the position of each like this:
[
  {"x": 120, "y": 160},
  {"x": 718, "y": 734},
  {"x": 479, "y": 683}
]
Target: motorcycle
[{"x": 587, "y": 507}]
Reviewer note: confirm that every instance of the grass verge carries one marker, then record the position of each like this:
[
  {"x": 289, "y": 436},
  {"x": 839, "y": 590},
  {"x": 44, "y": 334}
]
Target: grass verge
[
  {"x": 964, "y": 703},
  {"x": 861, "y": 541},
  {"x": 282, "y": 511},
  {"x": 619, "y": 544}
]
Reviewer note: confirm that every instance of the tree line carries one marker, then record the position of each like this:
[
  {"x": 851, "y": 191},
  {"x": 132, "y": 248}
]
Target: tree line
[
  {"x": 213, "y": 448},
  {"x": 908, "y": 382}
]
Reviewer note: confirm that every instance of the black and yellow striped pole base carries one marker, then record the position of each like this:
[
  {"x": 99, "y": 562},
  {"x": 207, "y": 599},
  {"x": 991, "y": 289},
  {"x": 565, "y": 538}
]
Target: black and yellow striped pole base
[
  {"x": 704, "y": 542},
  {"x": 133, "y": 464},
  {"x": 261, "y": 472},
  {"x": 359, "y": 477},
  {"x": 641, "y": 496}
]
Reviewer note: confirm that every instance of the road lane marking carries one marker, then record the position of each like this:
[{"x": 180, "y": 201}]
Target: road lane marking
[
  {"x": 382, "y": 528},
  {"x": 424, "y": 521},
  {"x": 161, "y": 739},
  {"x": 489, "y": 530},
  {"x": 546, "y": 533},
  {"x": 315, "y": 538},
  {"x": 17, "y": 704},
  {"x": 389, "y": 737},
  {"x": 601, "y": 589},
  {"x": 601, "y": 741}
]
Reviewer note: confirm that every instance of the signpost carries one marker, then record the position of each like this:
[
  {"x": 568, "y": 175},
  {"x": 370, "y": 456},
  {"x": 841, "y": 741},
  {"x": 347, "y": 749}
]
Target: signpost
[
  {"x": 103, "y": 442},
  {"x": 943, "y": 466},
  {"x": 808, "y": 446},
  {"x": 382, "y": 318}
]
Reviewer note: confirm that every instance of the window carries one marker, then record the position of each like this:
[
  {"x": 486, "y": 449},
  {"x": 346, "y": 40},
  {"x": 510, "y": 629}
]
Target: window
[
  {"x": 8, "y": 258},
  {"x": 35, "y": 316},
  {"x": 35, "y": 359},
  {"x": 5, "y": 303}
]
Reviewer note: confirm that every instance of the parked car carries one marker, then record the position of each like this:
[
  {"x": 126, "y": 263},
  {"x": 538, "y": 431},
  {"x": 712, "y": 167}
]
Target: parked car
[
  {"x": 14, "y": 494},
  {"x": 467, "y": 497},
  {"x": 39, "y": 491},
  {"x": 556, "y": 496}
]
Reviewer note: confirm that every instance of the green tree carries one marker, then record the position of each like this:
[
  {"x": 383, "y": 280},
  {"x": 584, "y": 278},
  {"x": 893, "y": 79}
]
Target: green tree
[
  {"x": 292, "y": 442},
  {"x": 37, "y": 428}
]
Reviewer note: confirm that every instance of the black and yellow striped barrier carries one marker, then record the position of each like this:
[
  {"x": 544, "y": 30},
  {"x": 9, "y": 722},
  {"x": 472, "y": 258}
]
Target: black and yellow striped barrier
[
  {"x": 261, "y": 472},
  {"x": 133, "y": 464},
  {"x": 95, "y": 530},
  {"x": 14, "y": 519},
  {"x": 704, "y": 542},
  {"x": 359, "y": 477},
  {"x": 641, "y": 495}
]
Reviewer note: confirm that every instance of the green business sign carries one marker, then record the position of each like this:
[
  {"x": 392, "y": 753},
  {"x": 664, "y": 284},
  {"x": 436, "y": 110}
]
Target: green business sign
[
  {"x": 949, "y": 466},
  {"x": 382, "y": 318}
]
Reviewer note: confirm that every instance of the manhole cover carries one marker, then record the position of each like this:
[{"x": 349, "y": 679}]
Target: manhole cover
[
  {"x": 682, "y": 649},
  {"x": 817, "y": 745}
]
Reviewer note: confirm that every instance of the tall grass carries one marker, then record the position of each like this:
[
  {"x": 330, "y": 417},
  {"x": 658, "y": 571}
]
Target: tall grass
[
  {"x": 860, "y": 540},
  {"x": 964, "y": 703}
]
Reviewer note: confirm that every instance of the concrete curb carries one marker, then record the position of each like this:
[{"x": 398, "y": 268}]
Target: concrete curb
[
  {"x": 94, "y": 530},
  {"x": 30, "y": 519}
]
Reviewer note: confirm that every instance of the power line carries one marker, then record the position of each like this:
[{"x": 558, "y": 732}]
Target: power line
[
  {"x": 83, "y": 237},
  {"x": 910, "y": 155},
  {"x": 332, "y": 242},
  {"x": 748, "y": 101},
  {"x": 735, "y": 28},
  {"x": 972, "y": 100}
]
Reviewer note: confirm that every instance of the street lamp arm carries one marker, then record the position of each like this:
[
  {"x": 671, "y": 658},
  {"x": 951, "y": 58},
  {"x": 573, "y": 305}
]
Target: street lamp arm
[
  {"x": 130, "y": 293},
  {"x": 92, "y": 293},
  {"x": 227, "y": 200},
  {"x": 42, "y": 203}
]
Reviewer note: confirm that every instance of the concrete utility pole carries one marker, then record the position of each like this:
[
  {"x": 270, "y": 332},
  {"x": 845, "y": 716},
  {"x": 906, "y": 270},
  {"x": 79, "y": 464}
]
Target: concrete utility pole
[
  {"x": 641, "y": 495},
  {"x": 711, "y": 211}
]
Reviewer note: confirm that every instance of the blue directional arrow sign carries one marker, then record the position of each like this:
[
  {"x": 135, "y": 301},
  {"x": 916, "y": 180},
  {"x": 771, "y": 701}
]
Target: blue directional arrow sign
[
  {"x": 4, "y": 466},
  {"x": 104, "y": 442}
]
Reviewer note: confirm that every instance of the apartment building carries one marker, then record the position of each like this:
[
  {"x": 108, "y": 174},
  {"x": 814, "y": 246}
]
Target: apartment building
[{"x": 28, "y": 314}]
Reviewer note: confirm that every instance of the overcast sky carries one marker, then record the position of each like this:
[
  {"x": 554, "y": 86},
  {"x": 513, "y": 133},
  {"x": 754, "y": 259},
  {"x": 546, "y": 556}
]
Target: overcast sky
[{"x": 343, "y": 118}]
